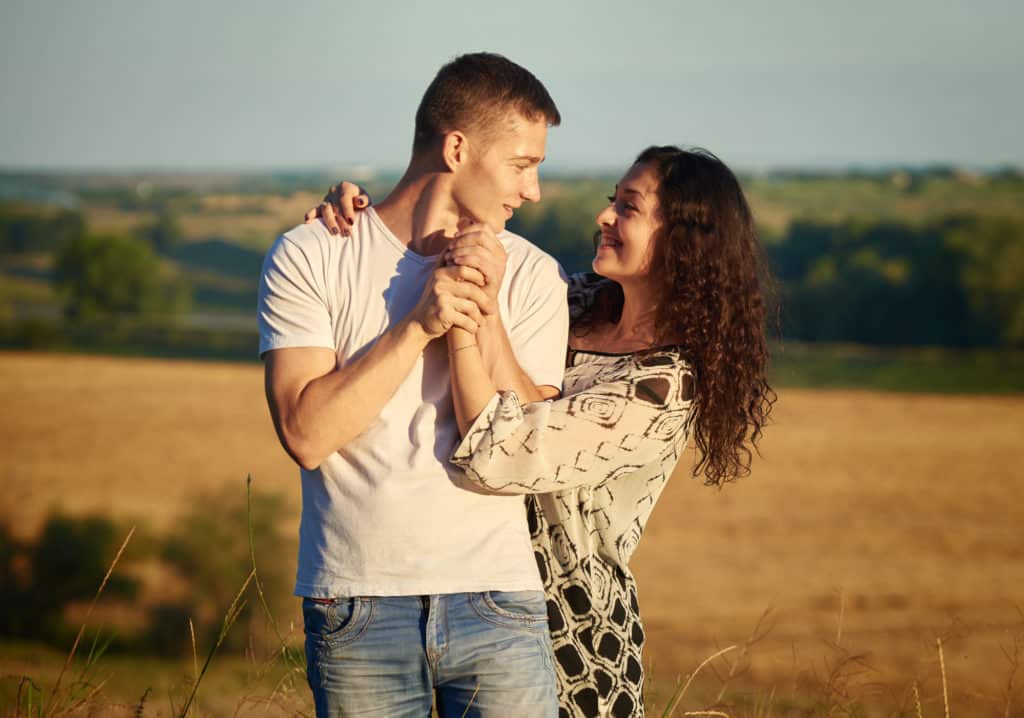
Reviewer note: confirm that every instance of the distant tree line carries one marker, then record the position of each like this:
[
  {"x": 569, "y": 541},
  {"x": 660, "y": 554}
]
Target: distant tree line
[
  {"x": 24, "y": 229},
  {"x": 101, "y": 275},
  {"x": 957, "y": 282}
]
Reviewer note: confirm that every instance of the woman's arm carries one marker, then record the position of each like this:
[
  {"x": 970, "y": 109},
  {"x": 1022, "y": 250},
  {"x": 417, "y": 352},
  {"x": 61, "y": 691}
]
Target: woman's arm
[
  {"x": 482, "y": 364},
  {"x": 638, "y": 413},
  {"x": 472, "y": 386}
]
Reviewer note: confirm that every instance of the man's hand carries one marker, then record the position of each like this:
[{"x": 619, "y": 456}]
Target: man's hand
[
  {"x": 452, "y": 298},
  {"x": 339, "y": 207},
  {"x": 476, "y": 246}
]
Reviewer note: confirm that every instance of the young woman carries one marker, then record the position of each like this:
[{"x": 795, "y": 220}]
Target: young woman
[{"x": 667, "y": 343}]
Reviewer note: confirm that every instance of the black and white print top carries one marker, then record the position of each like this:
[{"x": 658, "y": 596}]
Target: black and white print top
[{"x": 593, "y": 463}]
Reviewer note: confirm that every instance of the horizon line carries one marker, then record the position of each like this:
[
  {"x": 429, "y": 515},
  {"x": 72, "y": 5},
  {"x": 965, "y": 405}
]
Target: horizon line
[{"x": 366, "y": 171}]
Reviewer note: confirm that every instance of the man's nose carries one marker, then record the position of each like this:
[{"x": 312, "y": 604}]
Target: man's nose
[{"x": 531, "y": 190}]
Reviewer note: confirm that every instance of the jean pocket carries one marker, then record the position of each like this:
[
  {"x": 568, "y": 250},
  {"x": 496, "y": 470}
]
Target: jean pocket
[
  {"x": 335, "y": 620},
  {"x": 520, "y": 608}
]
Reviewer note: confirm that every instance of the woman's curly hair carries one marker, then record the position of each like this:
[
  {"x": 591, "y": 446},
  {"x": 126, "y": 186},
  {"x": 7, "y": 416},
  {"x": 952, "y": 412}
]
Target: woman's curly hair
[{"x": 709, "y": 269}]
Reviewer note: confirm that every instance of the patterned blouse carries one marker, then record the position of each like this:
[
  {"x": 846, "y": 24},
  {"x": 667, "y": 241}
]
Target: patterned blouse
[{"x": 593, "y": 463}]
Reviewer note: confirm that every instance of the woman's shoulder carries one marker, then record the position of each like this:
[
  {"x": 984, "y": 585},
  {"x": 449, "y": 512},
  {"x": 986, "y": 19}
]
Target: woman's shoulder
[{"x": 582, "y": 290}]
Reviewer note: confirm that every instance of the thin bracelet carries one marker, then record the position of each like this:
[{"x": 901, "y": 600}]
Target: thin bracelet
[{"x": 467, "y": 346}]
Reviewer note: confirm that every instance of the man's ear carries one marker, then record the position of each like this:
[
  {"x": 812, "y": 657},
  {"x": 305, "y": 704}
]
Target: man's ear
[{"x": 455, "y": 149}]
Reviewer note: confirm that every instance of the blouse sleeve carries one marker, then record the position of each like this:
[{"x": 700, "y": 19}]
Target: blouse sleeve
[
  {"x": 634, "y": 414},
  {"x": 583, "y": 287}
]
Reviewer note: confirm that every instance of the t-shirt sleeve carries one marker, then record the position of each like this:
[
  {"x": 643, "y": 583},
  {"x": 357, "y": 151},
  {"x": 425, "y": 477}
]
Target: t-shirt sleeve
[
  {"x": 623, "y": 422},
  {"x": 293, "y": 309},
  {"x": 540, "y": 331}
]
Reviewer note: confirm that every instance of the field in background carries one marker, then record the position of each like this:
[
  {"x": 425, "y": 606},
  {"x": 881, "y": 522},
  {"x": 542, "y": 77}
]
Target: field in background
[
  {"x": 138, "y": 438},
  {"x": 882, "y": 520}
]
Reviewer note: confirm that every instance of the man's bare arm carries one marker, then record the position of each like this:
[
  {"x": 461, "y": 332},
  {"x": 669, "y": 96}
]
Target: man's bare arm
[{"x": 318, "y": 407}]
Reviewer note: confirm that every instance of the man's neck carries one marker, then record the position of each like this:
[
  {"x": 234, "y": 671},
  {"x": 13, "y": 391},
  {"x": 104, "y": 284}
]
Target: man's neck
[{"x": 420, "y": 212}]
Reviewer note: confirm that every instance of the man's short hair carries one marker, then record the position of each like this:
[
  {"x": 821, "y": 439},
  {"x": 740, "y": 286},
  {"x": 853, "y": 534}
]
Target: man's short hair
[{"x": 476, "y": 93}]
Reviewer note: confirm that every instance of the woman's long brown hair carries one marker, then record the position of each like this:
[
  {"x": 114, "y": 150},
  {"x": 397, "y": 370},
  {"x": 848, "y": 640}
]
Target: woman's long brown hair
[{"x": 709, "y": 271}]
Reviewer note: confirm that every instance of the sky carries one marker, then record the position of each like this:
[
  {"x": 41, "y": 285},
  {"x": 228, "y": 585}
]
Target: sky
[{"x": 258, "y": 85}]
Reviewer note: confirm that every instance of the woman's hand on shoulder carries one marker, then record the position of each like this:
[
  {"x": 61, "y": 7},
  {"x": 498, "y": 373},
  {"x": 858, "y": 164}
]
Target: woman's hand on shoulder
[{"x": 339, "y": 206}]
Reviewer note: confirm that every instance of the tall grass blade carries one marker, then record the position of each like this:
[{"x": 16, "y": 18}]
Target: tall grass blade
[
  {"x": 842, "y": 611},
  {"x": 50, "y": 707},
  {"x": 945, "y": 686},
  {"x": 471, "y": 699},
  {"x": 195, "y": 654},
  {"x": 755, "y": 636},
  {"x": 141, "y": 707},
  {"x": 232, "y": 614},
  {"x": 681, "y": 691},
  {"x": 252, "y": 557}
]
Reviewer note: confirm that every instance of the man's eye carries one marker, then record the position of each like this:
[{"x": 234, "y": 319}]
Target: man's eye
[{"x": 611, "y": 199}]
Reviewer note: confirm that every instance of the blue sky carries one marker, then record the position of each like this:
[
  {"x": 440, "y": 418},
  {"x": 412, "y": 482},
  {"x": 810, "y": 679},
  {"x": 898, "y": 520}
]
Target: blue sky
[{"x": 257, "y": 85}]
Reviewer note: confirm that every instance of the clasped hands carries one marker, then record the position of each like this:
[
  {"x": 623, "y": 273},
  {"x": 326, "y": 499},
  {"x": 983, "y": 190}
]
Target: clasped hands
[{"x": 463, "y": 288}]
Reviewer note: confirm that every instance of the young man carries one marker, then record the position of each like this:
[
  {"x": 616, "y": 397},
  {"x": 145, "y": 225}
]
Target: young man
[{"x": 412, "y": 584}]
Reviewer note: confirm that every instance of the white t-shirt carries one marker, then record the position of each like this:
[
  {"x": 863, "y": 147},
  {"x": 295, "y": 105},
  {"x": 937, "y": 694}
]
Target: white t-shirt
[{"x": 383, "y": 515}]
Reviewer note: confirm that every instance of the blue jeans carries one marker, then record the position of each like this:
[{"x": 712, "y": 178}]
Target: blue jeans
[{"x": 486, "y": 655}]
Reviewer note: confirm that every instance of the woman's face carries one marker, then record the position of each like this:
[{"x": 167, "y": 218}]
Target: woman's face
[{"x": 628, "y": 225}]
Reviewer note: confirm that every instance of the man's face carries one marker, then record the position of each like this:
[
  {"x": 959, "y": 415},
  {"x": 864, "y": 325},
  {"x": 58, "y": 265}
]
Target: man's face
[{"x": 498, "y": 177}]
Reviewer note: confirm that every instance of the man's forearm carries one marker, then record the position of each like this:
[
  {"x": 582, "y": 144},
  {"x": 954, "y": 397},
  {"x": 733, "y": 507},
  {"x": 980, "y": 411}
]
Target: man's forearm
[{"x": 328, "y": 412}]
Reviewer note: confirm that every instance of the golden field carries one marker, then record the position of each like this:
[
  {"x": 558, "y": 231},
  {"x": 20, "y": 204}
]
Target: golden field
[{"x": 881, "y": 521}]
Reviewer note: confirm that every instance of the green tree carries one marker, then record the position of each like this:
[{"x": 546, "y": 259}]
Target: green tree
[
  {"x": 29, "y": 228},
  {"x": 872, "y": 282},
  {"x": 114, "y": 275},
  {"x": 209, "y": 549},
  {"x": 992, "y": 275},
  {"x": 64, "y": 565},
  {"x": 165, "y": 233}
]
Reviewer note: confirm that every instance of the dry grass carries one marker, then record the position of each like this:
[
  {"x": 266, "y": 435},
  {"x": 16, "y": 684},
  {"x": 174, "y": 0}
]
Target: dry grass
[
  {"x": 872, "y": 525},
  {"x": 220, "y": 215},
  {"x": 134, "y": 437},
  {"x": 896, "y": 514}
]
